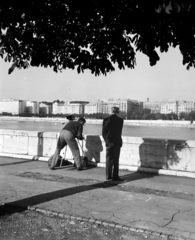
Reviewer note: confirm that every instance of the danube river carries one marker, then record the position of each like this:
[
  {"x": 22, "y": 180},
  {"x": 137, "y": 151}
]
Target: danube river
[{"x": 183, "y": 133}]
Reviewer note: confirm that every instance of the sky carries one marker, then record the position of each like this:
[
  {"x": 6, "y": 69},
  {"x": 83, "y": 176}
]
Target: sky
[{"x": 168, "y": 79}]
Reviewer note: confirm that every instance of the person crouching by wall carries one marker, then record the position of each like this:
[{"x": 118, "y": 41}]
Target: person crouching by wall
[
  {"x": 70, "y": 132},
  {"x": 111, "y": 132}
]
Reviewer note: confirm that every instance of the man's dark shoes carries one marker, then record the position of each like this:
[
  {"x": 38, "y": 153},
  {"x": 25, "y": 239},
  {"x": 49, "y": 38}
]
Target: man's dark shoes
[
  {"x": 52, "y": 168},
  {"x": 117, "y": 179},
  {"x": 108, "y": 178},
  {"x": 80, "y": 168}
]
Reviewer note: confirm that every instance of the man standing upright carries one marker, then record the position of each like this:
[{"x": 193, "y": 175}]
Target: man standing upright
[{"x": 111, "y": 132}]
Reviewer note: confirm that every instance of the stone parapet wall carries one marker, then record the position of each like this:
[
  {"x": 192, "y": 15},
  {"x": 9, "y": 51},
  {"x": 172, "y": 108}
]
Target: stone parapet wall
[{"x": 139, "y": 153}]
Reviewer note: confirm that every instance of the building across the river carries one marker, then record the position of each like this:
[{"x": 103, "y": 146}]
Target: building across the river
[
  {"x": 16, "y": 107},
  {"x": 45, "y": 108},
  {"x": 155, "y": 106},
  {"x": 126, "y": 106},
  {"x": 73, "y": 107},
  {"x": 12, "y": 106},
  {"x": 170, "y": 106},
  {"x": 105, "y": 106},
  {"x": 31, "y": 107}
]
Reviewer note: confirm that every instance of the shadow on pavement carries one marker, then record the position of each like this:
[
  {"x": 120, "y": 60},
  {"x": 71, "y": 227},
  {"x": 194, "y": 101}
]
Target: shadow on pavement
[
  {"x": 22, "y": 205},
  {"x": 71, "y": 167},
  {"x": 137, "y": 175},
  {"x": 8, "y": 210},
  {"x": 131, "y": 177}
]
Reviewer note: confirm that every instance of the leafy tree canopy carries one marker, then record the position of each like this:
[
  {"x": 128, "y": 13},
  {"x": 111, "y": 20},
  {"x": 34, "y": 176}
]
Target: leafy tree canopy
[{"x": 94, "y": 34}]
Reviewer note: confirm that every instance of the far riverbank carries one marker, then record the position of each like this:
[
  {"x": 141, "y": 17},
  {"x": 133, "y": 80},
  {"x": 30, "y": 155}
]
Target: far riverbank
[{"x": 160, "y": 123}]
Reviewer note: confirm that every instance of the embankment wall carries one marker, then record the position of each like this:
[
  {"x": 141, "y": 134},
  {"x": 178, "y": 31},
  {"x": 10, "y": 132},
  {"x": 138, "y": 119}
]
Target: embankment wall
[{"x": 162, "y": 156}]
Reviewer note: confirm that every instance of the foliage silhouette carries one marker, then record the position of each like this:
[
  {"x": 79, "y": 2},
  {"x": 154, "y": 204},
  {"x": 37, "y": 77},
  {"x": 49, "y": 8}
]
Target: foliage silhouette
[{"x": 94, "y": 35}]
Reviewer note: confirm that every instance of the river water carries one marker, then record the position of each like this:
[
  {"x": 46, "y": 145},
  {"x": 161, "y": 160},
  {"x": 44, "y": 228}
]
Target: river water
[{"x": 183, "y": 133}]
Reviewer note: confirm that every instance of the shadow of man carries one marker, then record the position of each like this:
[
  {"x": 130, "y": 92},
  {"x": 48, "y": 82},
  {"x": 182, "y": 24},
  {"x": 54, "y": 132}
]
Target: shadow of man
[{"x": 22, "y": 204}]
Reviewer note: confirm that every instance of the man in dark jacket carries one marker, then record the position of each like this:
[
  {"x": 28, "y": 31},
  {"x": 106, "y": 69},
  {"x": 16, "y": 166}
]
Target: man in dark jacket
[
  {"x": 68, "y": 135},
  {"x": 111, "y": 132}
]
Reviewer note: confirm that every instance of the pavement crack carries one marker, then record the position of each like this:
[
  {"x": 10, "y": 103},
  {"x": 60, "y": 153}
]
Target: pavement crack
[
  {"x": 171, "y": 219},
  {"x": 175, "y": 215}
]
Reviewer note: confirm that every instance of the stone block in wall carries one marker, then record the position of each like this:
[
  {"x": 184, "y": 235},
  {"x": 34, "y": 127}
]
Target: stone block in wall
[
  {"x": 181, "y": 155},
  {"x": 20, "y": 142},
  {"x": 93, "y": 147},
  {"x": 130, "y": 154},
  {"x": 13, "y": 141},
  {"x": 153, "y": 153},
  {"x": 49, "y": 141},
  {"x": 35, "y": 143},
  {"x": 1, "y": 140}
]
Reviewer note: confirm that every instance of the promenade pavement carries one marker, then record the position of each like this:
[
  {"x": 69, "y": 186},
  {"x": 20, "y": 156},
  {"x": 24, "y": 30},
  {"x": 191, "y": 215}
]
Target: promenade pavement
[{"x": 155, "y": 204}]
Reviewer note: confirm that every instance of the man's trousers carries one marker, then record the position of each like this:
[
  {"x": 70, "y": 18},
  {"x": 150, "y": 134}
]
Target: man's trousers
[
  {"x": 66, "y": 137},
  {"x": 112, "y": 162}
]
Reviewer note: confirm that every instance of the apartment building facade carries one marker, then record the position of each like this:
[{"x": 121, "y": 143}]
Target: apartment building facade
[
  {"x": 91, "y": 108},
  {"x": 60, "y": 108},
  {"x": 154, "y": 106},
  {"x": 125, "y": 105},
  {"x": 74, "y": 107},
  {"x": 173, "y": 106},
  {"x": 105, "y": 106},
  {"x": 96, "y": 107},
  {"x": 31, "y": 107},
  {"x": 186, "y": 106},
  {"x": 169, "y": 106},
  {"x": 45, "y": 108},
  {"x": 12, "y": 106}
]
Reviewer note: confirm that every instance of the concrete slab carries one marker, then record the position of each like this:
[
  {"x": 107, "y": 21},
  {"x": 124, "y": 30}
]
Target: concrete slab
[{"x": 87, "y": 194}]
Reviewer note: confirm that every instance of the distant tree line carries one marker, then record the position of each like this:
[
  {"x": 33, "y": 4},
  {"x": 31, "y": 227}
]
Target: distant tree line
[{"x": 144, "y": 114}]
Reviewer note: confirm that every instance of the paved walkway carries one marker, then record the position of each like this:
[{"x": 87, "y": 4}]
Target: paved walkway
[{"x": 156, "y": 204}]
